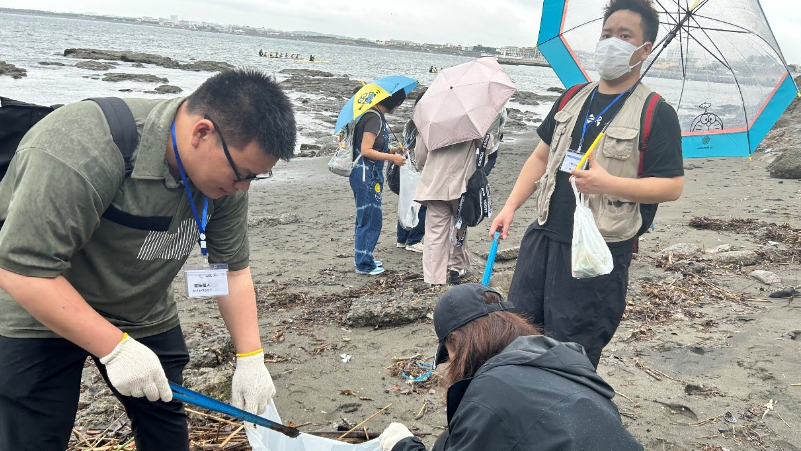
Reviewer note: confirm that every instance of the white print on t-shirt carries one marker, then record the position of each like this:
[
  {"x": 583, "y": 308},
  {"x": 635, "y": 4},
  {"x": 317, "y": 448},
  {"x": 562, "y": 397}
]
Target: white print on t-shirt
[
  {"x": 592, "y": 119},
  {"x": 170, "y": 246}
]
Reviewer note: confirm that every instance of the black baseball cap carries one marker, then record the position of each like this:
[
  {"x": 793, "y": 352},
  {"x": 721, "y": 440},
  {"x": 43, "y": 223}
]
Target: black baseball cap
[{"x": 457, "y": 307}]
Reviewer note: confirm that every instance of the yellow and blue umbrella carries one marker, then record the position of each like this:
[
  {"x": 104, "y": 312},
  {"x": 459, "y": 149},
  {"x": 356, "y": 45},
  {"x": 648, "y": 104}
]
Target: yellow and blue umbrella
[
  {"x": 717, "y": 63},
  {"x": 370, "y": 94}
]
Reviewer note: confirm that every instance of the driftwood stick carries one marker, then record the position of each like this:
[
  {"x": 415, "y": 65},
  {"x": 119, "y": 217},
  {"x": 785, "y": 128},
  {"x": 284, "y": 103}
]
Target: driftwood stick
[
  {"x": 82, "y": 437},
  {"x": 213, "y": 417},
  {"x": 365, "y": 421},
  {"x": 631, "y": 400},
  {"x": 228, "y": 439}
]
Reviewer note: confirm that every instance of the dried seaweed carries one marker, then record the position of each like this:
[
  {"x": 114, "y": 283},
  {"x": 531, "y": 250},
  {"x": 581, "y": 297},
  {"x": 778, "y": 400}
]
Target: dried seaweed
[
  {"x": 762, "y": 231},
  {"x": 665, "y": 302}
]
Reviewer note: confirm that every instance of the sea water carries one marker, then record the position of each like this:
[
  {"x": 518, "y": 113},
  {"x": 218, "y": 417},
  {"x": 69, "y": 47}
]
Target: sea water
[{"x": 26, "y": 40}]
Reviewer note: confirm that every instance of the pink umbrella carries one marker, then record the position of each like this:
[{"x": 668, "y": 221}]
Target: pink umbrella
[{"x": 462, "y": 102}]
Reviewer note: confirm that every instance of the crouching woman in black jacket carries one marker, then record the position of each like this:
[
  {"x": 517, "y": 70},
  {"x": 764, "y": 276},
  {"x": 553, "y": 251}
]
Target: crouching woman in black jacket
[{"x": 510, "y": 387}]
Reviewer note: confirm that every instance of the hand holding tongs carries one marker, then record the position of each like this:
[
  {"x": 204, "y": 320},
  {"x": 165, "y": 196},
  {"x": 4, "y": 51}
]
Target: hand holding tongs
[{"x": 188, "y": 396}]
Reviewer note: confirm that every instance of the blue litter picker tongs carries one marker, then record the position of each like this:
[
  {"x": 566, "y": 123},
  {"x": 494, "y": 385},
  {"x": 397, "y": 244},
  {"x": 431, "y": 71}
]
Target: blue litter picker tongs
[
  {"x": 491, "y": 259},
  {"x": 191, "y": 397}
]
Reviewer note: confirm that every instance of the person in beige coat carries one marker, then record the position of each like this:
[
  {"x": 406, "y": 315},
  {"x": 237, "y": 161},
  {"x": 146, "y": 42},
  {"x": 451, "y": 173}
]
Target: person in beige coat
[{"x": 444, "y": 176}]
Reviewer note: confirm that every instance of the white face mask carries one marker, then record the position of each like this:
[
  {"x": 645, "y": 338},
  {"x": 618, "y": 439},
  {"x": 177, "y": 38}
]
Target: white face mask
[{"x": 612, "y": 56}]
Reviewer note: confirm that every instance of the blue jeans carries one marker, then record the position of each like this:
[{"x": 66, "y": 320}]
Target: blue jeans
[
  {"x": 415, "y": 235},
  {"x": 367, "y": 183}
]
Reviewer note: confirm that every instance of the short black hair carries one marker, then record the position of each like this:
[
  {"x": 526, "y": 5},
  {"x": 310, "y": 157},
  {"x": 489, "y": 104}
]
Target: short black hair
[
  {"x": 249, "y": 106},
  {"x": 394, "y": 101},
  {"x": 645, "y": 8}
]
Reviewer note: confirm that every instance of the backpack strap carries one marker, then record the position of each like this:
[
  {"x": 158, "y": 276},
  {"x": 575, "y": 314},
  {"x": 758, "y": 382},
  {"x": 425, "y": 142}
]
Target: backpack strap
[
  {"x": 123, "y": 127},
  {"x": 647, "y": 119},
  {"x": 125, "y": 135},
  {"x": 569, "y": 95}
]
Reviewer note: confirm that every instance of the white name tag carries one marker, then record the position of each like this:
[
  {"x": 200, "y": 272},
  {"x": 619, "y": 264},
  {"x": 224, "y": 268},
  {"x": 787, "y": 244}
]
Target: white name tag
[
  {"x": 571, "y": 161},
  {"x": 206, "y": 280}
]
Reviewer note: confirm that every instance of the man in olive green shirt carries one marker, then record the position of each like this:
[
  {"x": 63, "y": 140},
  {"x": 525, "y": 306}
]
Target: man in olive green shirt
[{"x": 88, "y": 254}]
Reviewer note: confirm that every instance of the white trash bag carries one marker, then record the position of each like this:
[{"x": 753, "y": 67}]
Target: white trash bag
[
  {"x": 591, "y": 256},
  {"x": 407, "y": 207},
  {"x": 264, "y": 439}
]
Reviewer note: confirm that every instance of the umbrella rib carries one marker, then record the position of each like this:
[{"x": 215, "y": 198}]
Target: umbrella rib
[
  {"x": 722, "y": 60},
  {"x": 675, "y": 19},
  {"x": 740, "y": 29},
  {"x": 723, "y": 30},
  {"x": 561, "y": 33},
  {"x": 745, "y": 31},
  {"x": 777, "y": 50},
  {"x": 682, "y": 59},
  {"x": 736, "y": 82}
]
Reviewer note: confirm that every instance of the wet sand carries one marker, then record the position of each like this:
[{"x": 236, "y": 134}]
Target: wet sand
[{"x": 704, "y": 360}]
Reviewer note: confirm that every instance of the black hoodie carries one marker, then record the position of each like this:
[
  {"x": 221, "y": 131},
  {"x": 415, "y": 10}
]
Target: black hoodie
[{"x": 537, "y": 394}]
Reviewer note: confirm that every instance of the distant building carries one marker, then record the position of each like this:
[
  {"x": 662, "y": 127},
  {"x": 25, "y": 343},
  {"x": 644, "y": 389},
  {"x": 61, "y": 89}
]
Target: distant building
[
  {"x": 510, "y": 52},
  {"x": 485, "y": 50},
  {"x": 531, "y": 53}
]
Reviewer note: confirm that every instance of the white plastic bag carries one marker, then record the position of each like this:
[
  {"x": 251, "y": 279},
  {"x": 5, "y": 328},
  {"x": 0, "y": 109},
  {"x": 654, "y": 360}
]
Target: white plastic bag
[
  {"x": 591, "y": 256},
  {"x": 407, "y": 207},
  {"x": 264, "y": 439}
]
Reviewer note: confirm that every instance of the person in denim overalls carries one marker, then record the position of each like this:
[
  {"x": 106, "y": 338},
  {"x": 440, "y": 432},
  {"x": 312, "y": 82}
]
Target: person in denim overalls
[{"x": 367, "y": 179}]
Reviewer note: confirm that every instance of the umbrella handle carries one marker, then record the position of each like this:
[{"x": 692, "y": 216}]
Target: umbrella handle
[{"x": 491, "y": 259}]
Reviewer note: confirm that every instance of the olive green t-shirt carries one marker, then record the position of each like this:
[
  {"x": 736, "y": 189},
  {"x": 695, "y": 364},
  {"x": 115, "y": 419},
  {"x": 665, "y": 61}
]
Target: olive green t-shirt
[{"x": 68, "y": 209}]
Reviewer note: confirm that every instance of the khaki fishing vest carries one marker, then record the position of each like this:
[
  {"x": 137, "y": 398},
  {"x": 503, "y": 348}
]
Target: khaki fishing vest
[{"x": 618, "y": 152}]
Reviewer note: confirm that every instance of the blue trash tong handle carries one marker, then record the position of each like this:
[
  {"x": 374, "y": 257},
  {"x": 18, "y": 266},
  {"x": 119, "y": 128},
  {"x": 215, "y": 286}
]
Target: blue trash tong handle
[
  {"x": 491, "y": 259},
  {"x": 192, "y": 397}
]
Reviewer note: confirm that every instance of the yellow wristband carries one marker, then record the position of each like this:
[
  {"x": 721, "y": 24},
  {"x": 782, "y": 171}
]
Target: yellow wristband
[
  {"x": 248, "y": 354},
  {"x": 124, "y": 336}
]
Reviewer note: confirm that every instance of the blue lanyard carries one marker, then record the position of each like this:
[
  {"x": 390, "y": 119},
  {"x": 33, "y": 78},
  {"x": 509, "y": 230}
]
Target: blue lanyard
[
  {"x": 587, "y": 117},
  {"x": 201, "y": 223}
]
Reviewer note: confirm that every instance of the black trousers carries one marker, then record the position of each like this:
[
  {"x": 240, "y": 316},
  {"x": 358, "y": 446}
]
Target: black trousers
[
  {"x": 584, "y": 311},
  {"x": 40, "y": 381}
]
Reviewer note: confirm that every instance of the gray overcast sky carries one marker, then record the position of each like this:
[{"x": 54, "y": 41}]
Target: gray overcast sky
[{"x": 491, "y": 22}]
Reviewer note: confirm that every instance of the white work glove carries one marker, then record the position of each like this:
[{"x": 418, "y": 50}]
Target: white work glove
[
  {"x": 135, "y": 370},
  {"x": 394, "y": 433},
  {"x": 252, "y": 387}
]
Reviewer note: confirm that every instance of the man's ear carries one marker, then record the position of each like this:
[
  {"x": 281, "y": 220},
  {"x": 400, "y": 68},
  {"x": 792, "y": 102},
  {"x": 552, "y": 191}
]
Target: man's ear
[
  {"x": 201, "y": 130},
  {"x": 648, "y": 47}
]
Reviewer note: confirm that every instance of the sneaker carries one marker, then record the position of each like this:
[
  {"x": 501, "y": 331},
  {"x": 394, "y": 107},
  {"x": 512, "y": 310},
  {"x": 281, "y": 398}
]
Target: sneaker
[
  {"x": 400, "y": 245},
  {"x": 378, "y": 263},
  {"x": 378, "y": 270},
  {"x": 416, "y": 247},
  {"x": 454, "y": 275}
]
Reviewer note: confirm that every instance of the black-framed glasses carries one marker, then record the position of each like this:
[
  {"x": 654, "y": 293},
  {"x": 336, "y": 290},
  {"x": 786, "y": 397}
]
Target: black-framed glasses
[{"x": 239, "y": 177}]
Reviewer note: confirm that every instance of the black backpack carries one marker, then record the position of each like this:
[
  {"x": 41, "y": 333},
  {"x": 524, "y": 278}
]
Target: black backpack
[
  {"x": 16, "y": 118},
  {"x": 475, "y": 204}
]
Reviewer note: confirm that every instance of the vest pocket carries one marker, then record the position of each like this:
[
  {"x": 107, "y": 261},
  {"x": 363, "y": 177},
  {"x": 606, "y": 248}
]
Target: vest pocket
[
  {"x": 562, "y": 119},
  {"x": 619, "y": 219},
  {"x": 619, "y": 142}
]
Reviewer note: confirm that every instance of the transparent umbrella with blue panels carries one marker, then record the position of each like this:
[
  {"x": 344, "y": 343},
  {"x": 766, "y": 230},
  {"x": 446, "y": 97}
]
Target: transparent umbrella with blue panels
[{"x": 715, "y": 61}]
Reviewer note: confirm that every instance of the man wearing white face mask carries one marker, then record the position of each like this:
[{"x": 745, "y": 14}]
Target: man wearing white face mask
[{"x": 636, "y": 165}]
